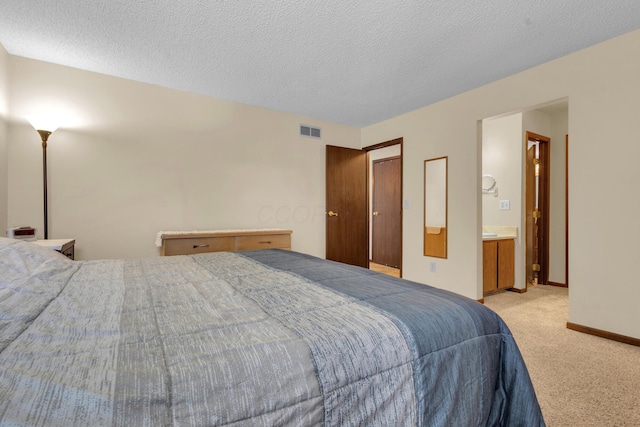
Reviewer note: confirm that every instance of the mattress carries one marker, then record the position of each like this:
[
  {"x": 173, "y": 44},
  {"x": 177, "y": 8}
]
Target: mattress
[{"x": 258, "y": 338}]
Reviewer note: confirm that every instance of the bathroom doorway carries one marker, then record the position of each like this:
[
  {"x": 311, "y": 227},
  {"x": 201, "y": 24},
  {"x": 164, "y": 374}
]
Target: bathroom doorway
[{"x": 504, "y": 151}]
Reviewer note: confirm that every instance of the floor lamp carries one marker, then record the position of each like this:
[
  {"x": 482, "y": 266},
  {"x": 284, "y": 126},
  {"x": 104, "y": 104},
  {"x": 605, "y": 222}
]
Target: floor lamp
[{"x": 45, "y": 126}]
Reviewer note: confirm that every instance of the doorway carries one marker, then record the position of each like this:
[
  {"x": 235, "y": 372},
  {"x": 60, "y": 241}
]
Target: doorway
[
  {"x": 385, "y": 207},
  {"x": 386, "y": 202},
  {"x": 348, "y": 208},
  {"x": 504, "y": 149},
  {"x": 537, "y": 209}
]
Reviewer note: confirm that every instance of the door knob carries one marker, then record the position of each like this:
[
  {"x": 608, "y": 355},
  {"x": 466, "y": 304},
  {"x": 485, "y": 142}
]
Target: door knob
[
  {"x": 376, "y": 213},
  {"x": 332, "y": 213}
]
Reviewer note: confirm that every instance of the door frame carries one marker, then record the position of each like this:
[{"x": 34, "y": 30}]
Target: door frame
[
  {"x": 368, "y": 149},
  {"x": 566, "y": 212},
  {"x": 543, "y": 192}
]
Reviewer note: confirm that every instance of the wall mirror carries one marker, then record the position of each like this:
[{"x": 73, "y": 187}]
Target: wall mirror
[
  {"x": 435, "y": 207},
  {"x": 489, "y": 185}
]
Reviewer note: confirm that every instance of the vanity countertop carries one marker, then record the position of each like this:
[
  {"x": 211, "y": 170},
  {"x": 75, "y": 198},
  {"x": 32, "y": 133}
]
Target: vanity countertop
[
  {"x": 486, "y": 238},
  {"x": 493, "y": 232}
]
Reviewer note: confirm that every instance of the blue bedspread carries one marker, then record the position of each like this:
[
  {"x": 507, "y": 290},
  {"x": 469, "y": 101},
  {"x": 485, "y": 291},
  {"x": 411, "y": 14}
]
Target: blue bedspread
[
  {"x": 467, "y": 368},
  {"x": 263, "y": 338}
]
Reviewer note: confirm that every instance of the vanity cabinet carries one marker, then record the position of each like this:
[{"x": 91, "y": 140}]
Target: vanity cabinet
[{"x": 498, "y": 264}]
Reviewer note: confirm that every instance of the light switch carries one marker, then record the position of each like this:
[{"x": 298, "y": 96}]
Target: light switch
[
  {"x": 432, "y": 267},
  {"x": 504, "y": 205},
  {"x": 406, "y": 203}
]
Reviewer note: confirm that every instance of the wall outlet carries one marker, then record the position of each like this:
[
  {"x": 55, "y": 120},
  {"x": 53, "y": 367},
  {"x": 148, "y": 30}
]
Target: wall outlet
[
  {"x": 432, "y": 267},
  {"x": 504, "y": 205}
]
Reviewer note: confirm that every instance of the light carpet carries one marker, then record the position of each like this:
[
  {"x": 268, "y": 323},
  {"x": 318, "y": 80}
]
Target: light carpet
[{"x": 581, "y": 380}]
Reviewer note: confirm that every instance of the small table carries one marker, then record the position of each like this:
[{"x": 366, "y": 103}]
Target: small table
[{"x": 65, "y": 246}]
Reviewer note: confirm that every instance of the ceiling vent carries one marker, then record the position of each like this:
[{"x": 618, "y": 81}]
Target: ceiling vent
[{"x": 310, "y": 131}]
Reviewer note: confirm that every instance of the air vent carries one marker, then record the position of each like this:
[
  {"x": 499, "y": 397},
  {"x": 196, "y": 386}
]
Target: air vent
[{"x": 310, "y": 131}]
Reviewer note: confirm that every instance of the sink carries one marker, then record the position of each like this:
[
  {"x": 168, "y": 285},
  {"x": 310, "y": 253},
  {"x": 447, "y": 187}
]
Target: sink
[{"x": 489, "y": 234}]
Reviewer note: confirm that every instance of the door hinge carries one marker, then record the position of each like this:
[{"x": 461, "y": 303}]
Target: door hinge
[
  {"x": 536, "y": 213},
  {"x": 535, "y": 267}
]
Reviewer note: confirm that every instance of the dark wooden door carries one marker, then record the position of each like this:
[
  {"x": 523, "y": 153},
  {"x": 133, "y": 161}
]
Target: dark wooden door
[
  {"x": 387, "y": 211},
  {"x": 346, "y": 220}
]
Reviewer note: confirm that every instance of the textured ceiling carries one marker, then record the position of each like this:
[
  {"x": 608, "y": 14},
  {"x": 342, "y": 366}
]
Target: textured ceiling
[{"x": 355, "y": 62}]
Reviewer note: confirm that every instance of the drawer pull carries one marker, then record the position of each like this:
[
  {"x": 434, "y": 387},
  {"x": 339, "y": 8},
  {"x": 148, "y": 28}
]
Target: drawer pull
[
  {"x": 268, "y": 242},
  {"x": 200, "y": 246}
]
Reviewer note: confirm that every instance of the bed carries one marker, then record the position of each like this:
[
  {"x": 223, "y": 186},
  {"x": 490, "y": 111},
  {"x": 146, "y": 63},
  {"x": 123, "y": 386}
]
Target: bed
[{"x": 256, "y": 338}]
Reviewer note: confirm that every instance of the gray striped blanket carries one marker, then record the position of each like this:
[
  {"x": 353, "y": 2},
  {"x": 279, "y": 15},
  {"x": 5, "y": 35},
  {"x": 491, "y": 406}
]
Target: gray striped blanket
[{"x": 261, "y": 338}]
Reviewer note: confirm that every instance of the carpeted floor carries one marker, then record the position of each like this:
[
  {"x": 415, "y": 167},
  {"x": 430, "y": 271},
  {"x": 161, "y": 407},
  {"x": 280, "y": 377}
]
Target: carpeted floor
[{"x": 581, "y": 380}]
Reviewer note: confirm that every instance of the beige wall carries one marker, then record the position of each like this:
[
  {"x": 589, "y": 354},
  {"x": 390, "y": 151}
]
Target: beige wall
[
  {"x": 435, "y": 131},
  {"x": 501, "y": 158},
  {"x": 4, "y": 162},
  {"x": 557, "y": 206},
  {"x": 132, "y": 159},
  {"x": 602, "y": 86}
]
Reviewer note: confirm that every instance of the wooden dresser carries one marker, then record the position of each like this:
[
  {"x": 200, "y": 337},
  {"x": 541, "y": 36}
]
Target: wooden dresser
[{"x": 196, "y": 242}]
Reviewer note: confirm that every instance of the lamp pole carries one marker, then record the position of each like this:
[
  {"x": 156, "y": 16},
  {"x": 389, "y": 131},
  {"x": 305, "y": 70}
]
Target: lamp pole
[
  {"x": 44, "y": 134},
  {"x": 45, "y": 126}
]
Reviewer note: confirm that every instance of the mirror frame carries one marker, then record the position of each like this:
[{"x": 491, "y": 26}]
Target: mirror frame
[{"x": 436, "y": 237}]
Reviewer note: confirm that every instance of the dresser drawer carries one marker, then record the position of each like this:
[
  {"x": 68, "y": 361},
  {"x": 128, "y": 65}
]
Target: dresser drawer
[
  {"x": 198, "y": 245},
  {"x": 265, "y": 241},
  {"x": 197, "y": 242}
]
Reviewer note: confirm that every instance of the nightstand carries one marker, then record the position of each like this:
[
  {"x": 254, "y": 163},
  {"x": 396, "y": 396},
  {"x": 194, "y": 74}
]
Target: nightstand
[{"x": 65, "y": 246}]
